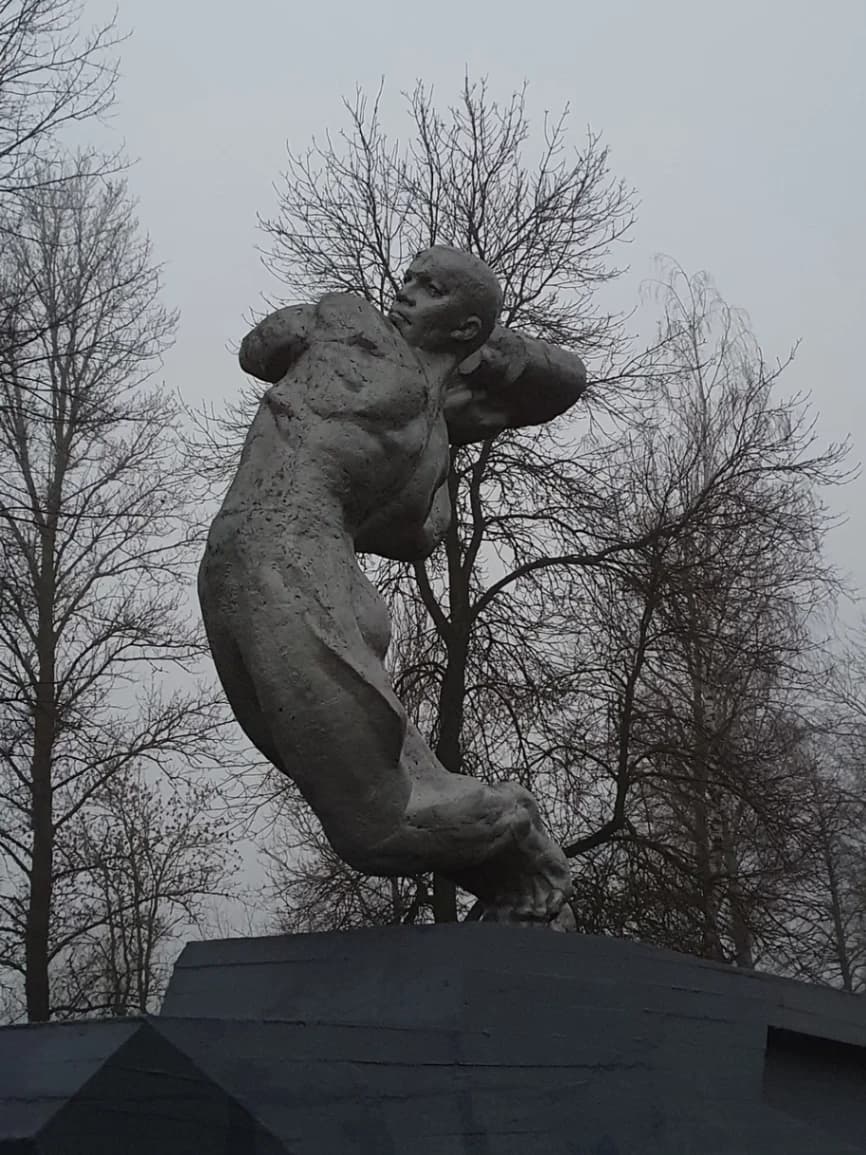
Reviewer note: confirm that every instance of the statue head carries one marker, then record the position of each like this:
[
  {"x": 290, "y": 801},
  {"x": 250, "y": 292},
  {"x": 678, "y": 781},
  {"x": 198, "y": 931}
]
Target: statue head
[{"x": 449, "y": 302}]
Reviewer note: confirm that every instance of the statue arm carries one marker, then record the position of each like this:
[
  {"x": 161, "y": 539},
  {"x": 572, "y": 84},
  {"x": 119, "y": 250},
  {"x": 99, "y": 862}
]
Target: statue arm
[
  {"x": 269, "y": 350},
  {"x": 513, "y": 381}
]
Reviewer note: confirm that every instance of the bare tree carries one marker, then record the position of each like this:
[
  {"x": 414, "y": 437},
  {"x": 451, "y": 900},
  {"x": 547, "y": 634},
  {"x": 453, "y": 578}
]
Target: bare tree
[
  {"x": 312, "y": 889},
  {"x": 53, "y": 73},
  {"x": 620, "y": 618},
  {"x": 138, "y": 869},
  {"x": 822, "y": 936},
  {"x": 649, "y": 672},
  {"x": 716, "y": 814},
  {"x": 96, "y": 512},
  {"x": 351, "y": 215}
]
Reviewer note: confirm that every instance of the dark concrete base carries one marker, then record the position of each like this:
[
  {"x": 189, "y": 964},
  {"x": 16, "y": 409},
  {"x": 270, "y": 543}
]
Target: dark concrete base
[
  {"x": 120, "y": 1087},
  {"x": 465, "y": 1039}
]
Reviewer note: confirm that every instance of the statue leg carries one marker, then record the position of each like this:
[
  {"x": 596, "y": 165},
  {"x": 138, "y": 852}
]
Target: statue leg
[
  {"x": 315, "y": 698},
  {"x": 509, "y": 860},
  {"x": 240, "y": 691}
]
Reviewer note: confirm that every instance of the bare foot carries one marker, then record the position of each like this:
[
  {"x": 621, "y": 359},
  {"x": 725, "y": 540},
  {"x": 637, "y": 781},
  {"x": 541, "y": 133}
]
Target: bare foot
[{"x": 529, "y": 881}]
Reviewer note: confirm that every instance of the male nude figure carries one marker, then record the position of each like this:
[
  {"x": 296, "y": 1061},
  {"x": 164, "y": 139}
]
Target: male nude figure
[{"x": 349, "y": 453}]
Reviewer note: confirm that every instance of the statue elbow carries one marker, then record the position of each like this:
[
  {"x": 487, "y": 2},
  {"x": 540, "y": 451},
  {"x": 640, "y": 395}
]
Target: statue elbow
[{"x": 268, "y": 351}]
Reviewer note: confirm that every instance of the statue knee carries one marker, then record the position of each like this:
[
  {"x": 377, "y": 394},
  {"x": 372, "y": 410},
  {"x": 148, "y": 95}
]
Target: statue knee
[{"x": 359, "y": 848}]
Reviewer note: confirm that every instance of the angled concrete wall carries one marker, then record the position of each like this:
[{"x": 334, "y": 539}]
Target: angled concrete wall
[{"x": 451, "y": 1040}]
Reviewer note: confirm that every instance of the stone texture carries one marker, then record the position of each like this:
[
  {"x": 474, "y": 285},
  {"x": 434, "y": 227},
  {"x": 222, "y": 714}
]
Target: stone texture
[{"x": 348, "y": 453}]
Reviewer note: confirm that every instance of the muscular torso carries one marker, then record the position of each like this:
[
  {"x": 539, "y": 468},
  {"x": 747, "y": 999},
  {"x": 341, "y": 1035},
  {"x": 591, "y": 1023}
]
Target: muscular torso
[{"x": 351, "y": 441}]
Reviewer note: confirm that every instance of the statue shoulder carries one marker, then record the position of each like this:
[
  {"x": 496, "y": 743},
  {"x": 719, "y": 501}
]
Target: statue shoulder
[
  {"x": 346, "y": 308},
  {"x": 271, "y": 347},
  {"x": 280, "y": 339},
  {"x": 352, "y": 319}
]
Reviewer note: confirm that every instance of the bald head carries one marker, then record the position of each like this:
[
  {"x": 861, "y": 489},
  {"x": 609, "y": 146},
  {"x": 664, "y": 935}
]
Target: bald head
[
  {"x": 449, "y": 301},
  {"x": 469, "y": 276}
]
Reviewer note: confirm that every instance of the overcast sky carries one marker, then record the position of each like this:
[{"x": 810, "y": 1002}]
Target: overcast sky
[{"x": 742, "y": 126}]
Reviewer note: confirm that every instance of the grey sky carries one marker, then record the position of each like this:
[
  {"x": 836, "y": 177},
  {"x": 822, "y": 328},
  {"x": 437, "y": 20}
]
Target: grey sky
[{"x": 742, "y": 125}]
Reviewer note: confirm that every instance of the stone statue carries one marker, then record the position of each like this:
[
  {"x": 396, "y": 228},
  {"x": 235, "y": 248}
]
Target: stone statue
[{"x": 348, "y": 453}]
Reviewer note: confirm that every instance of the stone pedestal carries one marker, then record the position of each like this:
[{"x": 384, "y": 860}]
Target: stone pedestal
[{"x": 477, "y": 1039}]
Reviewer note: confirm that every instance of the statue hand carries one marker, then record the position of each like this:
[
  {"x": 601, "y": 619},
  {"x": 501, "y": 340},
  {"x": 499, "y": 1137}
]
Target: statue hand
[
  {"x": 494, "y": 364},
  {"x": 498, "y": 363},
  {"x": 471, "y": 414}
]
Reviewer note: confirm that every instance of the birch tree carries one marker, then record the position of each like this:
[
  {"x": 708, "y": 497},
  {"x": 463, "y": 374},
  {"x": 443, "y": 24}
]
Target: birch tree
[{"x": 96, "y": 519}]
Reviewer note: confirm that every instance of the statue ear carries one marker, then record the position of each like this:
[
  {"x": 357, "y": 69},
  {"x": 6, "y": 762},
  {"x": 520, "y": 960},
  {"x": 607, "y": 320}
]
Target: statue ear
[{"x": 469, "y": 331}]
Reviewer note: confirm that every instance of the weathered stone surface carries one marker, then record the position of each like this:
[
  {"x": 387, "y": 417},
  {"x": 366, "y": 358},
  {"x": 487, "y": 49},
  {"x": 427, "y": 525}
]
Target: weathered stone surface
[{"x": 349, "y": 453}]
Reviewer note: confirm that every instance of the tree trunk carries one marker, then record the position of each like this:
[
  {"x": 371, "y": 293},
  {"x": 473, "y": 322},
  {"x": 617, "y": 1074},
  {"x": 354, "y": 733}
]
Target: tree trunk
[
  {"x": 449, "y": 753},
  {"x": 448, "y": 747},
  {"x": 838, "y": 920},
  {"x": 740, "y": 932},
  {"x": 453, "y": 691},
  {"x": 38, "y": 925},
  {"x": 36, "y": 940},
  {"x": 39, "y": 906},
  {"x": 444, "y": 899}
]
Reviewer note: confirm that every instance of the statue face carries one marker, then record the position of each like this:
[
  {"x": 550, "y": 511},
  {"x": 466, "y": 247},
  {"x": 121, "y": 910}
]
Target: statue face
[{"x": 434, "y": 308}]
